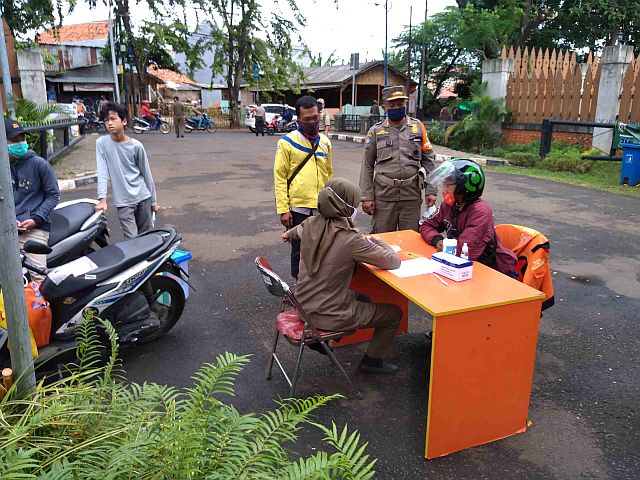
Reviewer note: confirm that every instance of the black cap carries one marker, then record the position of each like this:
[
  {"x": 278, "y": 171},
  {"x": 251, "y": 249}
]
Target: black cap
[{"x": 12, "y": 128}]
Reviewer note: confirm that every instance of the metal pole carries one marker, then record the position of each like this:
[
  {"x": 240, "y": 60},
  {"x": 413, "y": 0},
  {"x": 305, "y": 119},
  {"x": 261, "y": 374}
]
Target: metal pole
[
  {"x": 386, "y": 29},
  {"x": 420, "y": 112},
  {"x": 11, "y": 280},
  {"x": 6, "y": 73},
  {"x": 409, "y": 52},
  {"x": 116, "y": 85}
]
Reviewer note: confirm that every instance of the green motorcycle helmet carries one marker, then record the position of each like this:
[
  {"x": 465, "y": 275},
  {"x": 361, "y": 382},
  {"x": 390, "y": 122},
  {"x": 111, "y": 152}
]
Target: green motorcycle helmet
[{"x": 465, "y": 173}]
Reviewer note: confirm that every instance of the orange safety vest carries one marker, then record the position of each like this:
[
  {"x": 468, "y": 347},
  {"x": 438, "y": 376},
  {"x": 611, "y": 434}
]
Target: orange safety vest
[{"x": 532, "y": 249}]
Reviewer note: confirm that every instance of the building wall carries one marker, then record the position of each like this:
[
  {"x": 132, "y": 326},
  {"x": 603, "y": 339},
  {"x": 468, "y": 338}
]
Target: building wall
[
  {"x": 13, "y": 65},
  {"x": 525, "y": 134},
  {"x": 65, "y": 57},
  {"x": 375, "y": 76}
]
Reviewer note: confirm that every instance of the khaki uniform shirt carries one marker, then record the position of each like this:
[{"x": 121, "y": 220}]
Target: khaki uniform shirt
[
  {"x": 396, "y": 153},
  {"x": 178, "y": 110},
  {"x": 325, "y": 296},
  {"x": 324, "y": 119}
]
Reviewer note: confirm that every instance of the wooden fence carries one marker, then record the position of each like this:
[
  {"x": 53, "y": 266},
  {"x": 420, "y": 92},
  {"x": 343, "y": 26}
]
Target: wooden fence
[
  {"x": 552, "y": 85},
  {"x": 630, "y": 97}
]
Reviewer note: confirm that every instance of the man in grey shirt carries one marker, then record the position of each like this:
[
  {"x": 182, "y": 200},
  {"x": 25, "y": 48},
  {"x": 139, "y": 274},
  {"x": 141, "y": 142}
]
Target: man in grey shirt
[{"x": 124, "y": 161}]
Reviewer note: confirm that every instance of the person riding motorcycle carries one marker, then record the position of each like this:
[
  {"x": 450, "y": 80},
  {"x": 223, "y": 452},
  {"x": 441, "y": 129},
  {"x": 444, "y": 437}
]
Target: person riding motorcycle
[
  {"x": 198, "y": 116},
  {"x": 147, "y": 113},
  {"x": 287, "y": 116}
]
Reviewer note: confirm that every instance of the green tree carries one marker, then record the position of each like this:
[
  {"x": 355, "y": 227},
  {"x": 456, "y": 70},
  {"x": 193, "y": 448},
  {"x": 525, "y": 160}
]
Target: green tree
[
  {"x": 25, "y": 16},
  {"x": 251, "y": 44},
  {"x": 318, "y": 61}
]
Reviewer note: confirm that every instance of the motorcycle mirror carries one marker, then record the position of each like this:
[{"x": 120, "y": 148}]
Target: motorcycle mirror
[{"x": 31, "y": 246}]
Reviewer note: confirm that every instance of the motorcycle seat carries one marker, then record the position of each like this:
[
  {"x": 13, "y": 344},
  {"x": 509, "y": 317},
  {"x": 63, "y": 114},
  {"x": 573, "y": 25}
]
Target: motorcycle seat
[
  {"x": 67, "y": 220},
  {"x": 111, "y": 260}
]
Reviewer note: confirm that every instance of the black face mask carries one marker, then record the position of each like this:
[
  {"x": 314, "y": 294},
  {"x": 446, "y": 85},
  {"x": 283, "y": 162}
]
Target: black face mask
[{"x": 309, "y": 129}]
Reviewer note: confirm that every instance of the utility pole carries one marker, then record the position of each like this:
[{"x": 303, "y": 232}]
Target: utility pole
[
  {"x": 386, "y": 31},
  {"x": 420, "y": 112},
  {"x": 11, "y": 280},
  {"x": 6, "y": 73},
  {"x": 409, "y": 51},
  {"x": 116, "y": 85}
]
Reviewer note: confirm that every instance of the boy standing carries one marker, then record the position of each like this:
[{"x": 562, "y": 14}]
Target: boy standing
[{"x": 124, "y": 160}]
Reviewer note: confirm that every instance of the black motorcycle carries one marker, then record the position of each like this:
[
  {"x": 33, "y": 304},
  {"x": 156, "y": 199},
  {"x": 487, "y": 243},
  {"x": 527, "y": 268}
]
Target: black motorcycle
[
  {"x": 134, "y": 284},
  {"x": 76, "y": 230}
]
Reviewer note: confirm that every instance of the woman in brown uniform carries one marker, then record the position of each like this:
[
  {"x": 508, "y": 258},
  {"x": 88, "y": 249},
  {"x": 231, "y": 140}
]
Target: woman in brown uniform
[{"x": 330, "y": 248}]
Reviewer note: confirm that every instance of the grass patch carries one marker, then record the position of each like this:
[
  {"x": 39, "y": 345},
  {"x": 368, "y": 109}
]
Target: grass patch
[{"x": 604, "y": 176}]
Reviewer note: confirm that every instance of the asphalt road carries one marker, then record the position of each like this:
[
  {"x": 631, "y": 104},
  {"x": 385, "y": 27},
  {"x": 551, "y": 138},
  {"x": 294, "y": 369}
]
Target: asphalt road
[{"x": 217, "y": 190}]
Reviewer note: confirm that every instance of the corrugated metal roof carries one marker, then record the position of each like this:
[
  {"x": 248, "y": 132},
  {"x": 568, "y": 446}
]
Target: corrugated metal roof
[
  {"x": 101, "y": 73},
  {"x": 335, "y": 74},
  {"x": 81, "y": 32},
  {"x": 327, "y": 77}
]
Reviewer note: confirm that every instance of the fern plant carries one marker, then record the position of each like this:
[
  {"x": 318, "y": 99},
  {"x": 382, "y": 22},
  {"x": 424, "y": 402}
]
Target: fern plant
[
  {"x": 92, "y": 425},
  {"x": 30, "y": 114}
]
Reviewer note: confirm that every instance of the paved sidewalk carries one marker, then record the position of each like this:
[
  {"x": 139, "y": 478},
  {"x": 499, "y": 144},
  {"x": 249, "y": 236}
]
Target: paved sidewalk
[
  {"x": 442, "y": 153},
  {"x": 77, "y": 166}
]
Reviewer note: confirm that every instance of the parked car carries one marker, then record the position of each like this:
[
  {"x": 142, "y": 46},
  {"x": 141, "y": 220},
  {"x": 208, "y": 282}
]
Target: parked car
[{"x": 271, "y": 110}]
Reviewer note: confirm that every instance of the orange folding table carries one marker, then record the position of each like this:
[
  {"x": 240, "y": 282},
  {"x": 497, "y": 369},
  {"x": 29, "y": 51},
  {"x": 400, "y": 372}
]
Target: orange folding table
[{"x": 483, "y": 349}]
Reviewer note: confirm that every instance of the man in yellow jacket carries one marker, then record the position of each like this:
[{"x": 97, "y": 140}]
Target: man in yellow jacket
[{"x": 301, "y": 168}]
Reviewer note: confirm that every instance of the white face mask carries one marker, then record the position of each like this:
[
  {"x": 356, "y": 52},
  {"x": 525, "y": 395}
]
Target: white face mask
[{"x": 353, "y": 216}]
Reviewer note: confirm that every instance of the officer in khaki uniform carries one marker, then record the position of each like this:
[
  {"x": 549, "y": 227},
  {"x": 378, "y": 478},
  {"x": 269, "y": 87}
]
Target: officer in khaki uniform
[{"x": 397, "y": 159}]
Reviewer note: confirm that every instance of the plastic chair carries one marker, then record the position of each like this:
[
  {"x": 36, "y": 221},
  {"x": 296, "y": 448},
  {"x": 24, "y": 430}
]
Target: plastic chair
[
  {"x": 532, "y": 249},
  {"x": 294, "y": 325}
]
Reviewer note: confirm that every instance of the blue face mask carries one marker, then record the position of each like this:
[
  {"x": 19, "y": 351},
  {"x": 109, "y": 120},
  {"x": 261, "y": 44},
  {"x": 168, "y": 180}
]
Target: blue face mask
[
  {"x": 397, "y": 114},
  {"x": 18, "y": 150}
]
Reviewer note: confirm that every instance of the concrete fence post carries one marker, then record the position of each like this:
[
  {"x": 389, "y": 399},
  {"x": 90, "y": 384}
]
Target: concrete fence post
[
  {"x": 495, "y": 73},
  {"x": 31, "y": 68},
  {"x": 613, "y": 65}
]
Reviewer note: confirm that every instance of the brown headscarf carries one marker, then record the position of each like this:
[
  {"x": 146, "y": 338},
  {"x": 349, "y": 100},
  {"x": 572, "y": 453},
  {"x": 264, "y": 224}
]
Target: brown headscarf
[{"x": 336, "y": 203}]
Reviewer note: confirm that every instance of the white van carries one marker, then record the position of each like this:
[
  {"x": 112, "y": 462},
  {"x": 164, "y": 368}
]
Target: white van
[{"x": 271, "y": 110}]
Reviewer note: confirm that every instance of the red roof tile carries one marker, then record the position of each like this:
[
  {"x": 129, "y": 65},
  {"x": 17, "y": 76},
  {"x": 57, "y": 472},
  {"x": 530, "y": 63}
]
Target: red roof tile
[
  {"x": 167, "y": 75},
  {"x": 81, "y": 32}
]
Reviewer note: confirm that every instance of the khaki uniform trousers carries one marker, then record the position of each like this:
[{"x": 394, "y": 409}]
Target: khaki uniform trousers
[
  {"x": 392, "y": 216},
  {"x": 384, "y": 318},
  {"x": 179, "y": 126}
]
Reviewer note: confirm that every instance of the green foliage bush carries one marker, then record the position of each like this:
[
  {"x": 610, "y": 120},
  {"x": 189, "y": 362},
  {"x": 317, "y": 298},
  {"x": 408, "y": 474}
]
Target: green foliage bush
[
  {"x": 94, "y": 426},
  {"x": 435, "y": 132},
  {"x": 563, "y": 157},
  {"x": 477, "y": 131},
  {"x": 566, "y": 162},
  {"x": 522, "y": 159}
]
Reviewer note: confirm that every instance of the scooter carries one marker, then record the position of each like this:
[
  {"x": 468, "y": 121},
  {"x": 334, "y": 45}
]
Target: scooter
[
  {"x": 206, "y": 124},
  {"x": 134, "y": 284},
  {"x": 93, "y": 123},
  {"x": 76, "y": 229},
  {"x": 140, "y": 125},
  {"x": 275, "y": 127}
]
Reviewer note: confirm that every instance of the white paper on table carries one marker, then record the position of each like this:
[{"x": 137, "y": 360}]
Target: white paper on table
[
  {"x": 395, "y": 248},
  {"x": 413, "y": 268},
  {"x": 76, "y": 268}
]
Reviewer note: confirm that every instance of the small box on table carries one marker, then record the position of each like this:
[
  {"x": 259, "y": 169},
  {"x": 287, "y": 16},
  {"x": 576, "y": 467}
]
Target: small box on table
[{"x": 453, "y": 267}]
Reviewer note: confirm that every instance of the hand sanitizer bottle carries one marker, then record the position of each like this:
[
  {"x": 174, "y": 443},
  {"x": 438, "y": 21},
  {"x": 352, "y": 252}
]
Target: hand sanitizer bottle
[{"x": 465, "y": 251}]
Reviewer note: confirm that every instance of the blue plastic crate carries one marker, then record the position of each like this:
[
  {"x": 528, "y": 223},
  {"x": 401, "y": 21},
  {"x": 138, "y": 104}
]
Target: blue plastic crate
[{"x": 182, "y": 258}]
